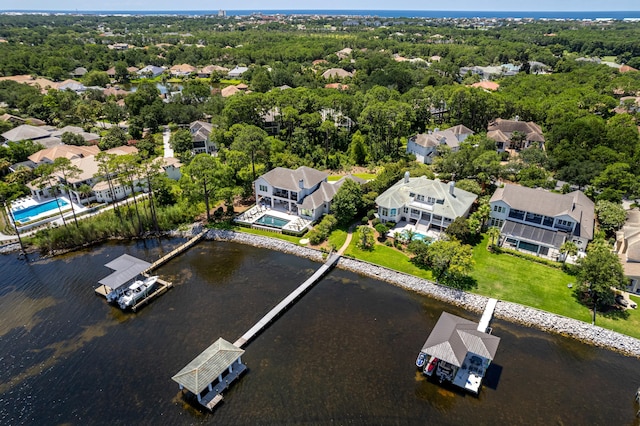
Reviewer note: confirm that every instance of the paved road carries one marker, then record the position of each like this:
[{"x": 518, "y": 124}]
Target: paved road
[{"x": 166, "y": 135}]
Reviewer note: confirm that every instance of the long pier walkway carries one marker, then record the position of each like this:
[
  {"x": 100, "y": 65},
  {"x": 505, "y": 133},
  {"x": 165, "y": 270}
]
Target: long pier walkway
[
  {"x": 332, "y": 259},
  {"x": 487, "y": 315},
  {"x": 167, "y": 257}
]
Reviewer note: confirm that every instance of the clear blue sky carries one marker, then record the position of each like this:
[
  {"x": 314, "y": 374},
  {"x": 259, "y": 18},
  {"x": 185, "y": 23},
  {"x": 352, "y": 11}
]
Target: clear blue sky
[{"x": 492, "y": 5}]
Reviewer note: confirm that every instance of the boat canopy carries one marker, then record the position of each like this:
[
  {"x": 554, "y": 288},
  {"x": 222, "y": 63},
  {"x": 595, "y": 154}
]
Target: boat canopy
[
  {"x": 453, "y": 337},
  {"x": 125, "y": 268},
  {"x": 207, "y": 366}
]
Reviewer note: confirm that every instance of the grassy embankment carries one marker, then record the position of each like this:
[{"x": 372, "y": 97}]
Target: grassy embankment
[{"x": 512, "y": 279}]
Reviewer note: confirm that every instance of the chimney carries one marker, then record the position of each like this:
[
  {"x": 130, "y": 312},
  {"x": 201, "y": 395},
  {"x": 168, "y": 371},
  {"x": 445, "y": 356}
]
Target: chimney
[
  {"x": 452, "y": 186},
  {"x": 406, "y": 177}
]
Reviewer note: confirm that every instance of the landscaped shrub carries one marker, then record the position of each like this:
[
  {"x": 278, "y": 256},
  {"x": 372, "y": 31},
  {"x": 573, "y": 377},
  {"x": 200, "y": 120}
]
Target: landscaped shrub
[
  {"x": 322, "y": 230},
  {"x": 375, "y": 221},
  {"x": 382, "y": 229},
  {"x": 371, "y": 214},
  {"x": 364, "y": 220}
]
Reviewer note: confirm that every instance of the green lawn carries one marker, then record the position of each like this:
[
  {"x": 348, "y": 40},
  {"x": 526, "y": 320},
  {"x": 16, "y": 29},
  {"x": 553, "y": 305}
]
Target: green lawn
[
  {"x": 290, "y": 238},
  {"x": 337, "y": 238},
  {"x": 365, "y": 176},
  {"x": 512, "y": 279}
]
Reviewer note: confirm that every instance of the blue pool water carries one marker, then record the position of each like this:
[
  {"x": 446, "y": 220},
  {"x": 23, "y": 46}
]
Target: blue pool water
[
  {"x": 418, "y": 236},
  {"x": 26, "y": 214},
  {"x": 273, "y": 221}
]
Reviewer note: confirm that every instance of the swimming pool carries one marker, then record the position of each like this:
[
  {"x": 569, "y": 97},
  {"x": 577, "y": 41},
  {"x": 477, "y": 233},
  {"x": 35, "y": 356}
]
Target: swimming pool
[
  {"x": 28, "y": 213},
  {"x": 272, "y": 221},
  {"x": 417, "y": 236}
]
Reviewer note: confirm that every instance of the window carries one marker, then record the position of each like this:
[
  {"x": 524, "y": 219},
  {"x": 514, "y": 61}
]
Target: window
[
  {"x": 394, "y": 212},
  {"x": 499, "y": 209},
  {"x": 436, "y": 217},
  {"x": 384, "y": 211},
  {"x": 420, "y": 197},
  {"x": 405, "y": 209},
  {"x": 496, "y": 222},
  {"x": 263, "y": 188},
  {"x": 412, "y": 194},
  {"x": 431, "y": 200},
  {"x": 564, "y": 223}
]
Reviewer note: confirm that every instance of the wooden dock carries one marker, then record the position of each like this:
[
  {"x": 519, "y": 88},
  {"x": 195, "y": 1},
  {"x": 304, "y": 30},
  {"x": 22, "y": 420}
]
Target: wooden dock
[
  {"x": 161, "y": 287},
  {"x": 483, "y": 326},
  {"x": 264, "y": 322},
  {"x": 167, "y": 257}
]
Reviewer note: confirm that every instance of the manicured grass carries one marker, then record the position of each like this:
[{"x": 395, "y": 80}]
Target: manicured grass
[
  {"x": 512, "y": 279},
  {"x": 290, "y": 238},
  {"x": 387, "y": 257},
  {"x": 230, "y": 81},
  {"x": 522, "y": 281},
  {"x": 365, "y": 176},
  {"x": 337, "y": 238}
]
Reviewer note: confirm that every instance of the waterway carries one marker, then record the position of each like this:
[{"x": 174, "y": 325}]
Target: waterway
[{"x": 344, "y": 354}]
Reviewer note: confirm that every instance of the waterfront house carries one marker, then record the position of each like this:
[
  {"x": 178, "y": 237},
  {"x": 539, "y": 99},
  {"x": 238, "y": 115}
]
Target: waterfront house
[
  {"x": 303, "y": 192},
  {"x": 182, "y": 70},
  {"x": 150, "y": 71},
  {"x": 429, "y": 204},
  {"x": 539, "y": 221},
  {"x": 425, "y": 145},
  {"x": 628, "y": 249},
  {"x": 515, "y": 134}
]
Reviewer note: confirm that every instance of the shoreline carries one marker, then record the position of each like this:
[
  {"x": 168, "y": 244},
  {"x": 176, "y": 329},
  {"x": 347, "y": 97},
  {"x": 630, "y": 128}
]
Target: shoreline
[{"x": 509, "y": 311}]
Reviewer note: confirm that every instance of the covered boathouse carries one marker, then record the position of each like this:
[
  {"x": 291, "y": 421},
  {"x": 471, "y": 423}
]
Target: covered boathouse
[
  {"x": 211, "y": 372},
  {"x": 460, "y": 350},
  {"x": 126, "y": 268}
]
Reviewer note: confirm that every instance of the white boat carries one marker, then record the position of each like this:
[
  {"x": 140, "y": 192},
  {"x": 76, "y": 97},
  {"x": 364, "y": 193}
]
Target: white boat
[{"x": 136, "y": 291}]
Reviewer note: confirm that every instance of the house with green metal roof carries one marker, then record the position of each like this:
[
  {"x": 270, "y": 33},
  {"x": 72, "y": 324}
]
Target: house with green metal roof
[{"x": 427, "y": 203}]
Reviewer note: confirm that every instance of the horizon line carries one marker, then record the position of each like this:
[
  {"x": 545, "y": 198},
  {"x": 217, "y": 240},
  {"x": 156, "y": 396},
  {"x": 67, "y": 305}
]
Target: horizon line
[{"x": 320, "y": 10}]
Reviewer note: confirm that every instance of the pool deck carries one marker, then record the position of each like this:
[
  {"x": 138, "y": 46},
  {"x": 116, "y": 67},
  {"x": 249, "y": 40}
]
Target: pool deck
[
  {"x": 26, "y": 202},
  {"x": 405, "y": 226},
  {"x": 295, "y": 224}
]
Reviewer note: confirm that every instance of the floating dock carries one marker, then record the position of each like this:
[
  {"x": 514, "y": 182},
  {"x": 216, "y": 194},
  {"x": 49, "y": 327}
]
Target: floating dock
[{"x": 287, "y": 301}]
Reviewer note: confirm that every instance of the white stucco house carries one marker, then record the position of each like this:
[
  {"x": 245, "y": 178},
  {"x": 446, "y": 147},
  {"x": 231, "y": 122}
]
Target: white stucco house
[
  {"x": 429, "y": 204},
  {"x": 539, "y": 221},
  {"x": 628, "y": 249}
]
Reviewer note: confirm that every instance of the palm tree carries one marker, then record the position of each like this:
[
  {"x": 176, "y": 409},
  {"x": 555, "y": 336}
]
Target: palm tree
[
  {"x": 48, "y": 180},
  {"x": 67, "y": 171},
  {"x": 493, "y": 233},
  {"x": 568, "y": 248}
]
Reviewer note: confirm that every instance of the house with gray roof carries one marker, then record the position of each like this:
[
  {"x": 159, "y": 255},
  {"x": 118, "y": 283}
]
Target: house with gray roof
[
  {"x": 150, "y": 71},
  {"x": 237, "y": 72},
  {"x": 201, "y": 136},
  {"x": 425, "y": 145},
  {"x": 25, "y": 132},
  {"x": 628, "y": 249},
  {"x": 304, "y": 192},
  {"x": 430, "y": 204},
  {"x": 539, "y": 221}
]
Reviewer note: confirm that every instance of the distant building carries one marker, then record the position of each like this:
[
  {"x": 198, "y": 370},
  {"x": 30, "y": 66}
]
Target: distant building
[
  {"x": 237, "y": 72},
  {"x": 515, "y": 134},
  {"x": 425, "y": 145},
  {"x": 201, "y": 136}
]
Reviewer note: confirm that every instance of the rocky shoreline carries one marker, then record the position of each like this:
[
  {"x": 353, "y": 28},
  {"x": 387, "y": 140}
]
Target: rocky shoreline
[{"x": 512, "y": 312}]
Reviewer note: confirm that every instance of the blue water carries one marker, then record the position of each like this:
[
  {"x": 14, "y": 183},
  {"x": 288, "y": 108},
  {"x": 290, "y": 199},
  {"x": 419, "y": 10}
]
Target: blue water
[
  {"x": 24, "y": 215},
  {"x": 590, "y": 15}
]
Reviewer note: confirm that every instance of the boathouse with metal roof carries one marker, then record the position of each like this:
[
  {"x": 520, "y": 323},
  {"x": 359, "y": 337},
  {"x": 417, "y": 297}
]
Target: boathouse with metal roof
[
  {"x": 211, "y": 372},
  {"x": 125, "y": 268}
]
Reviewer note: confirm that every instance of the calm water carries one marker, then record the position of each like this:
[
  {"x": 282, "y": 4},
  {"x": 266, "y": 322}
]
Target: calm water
[{"x": 344, "y": 354}]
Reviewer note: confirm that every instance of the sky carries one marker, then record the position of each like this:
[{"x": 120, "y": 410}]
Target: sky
[{"x": 472, "y": 5}]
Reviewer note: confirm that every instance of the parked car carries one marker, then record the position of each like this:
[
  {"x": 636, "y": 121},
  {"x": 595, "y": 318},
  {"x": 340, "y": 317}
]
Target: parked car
[{"x": 620, "y": 300}]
